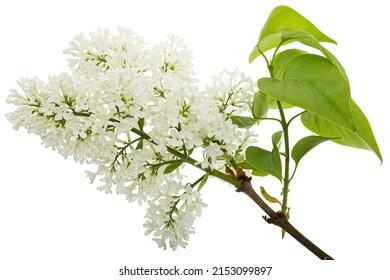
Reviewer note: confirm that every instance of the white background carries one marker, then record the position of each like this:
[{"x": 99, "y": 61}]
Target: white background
[{"x": 55, "y": 225}]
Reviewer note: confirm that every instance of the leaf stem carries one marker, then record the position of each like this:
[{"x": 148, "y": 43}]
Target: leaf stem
[
  {"x": 263, "y": 55},
  {"x": 268, "y": 119},
  {"x": 295, "y": 170},
  {"x": 294, "y": 117},
  {"x": 198, "y": 180}
]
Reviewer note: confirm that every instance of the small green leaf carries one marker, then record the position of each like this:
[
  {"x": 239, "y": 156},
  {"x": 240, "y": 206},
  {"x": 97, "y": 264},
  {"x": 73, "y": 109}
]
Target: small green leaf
[
  {"x": 259, "y": 107},
  {"x": 203, "y": 182},
  {"x": 282, "y": 18},
  {"x": 141, "y": 123},
  {"x": 362, "y": 137},
  {"x": 303, "y": 146},
  {"x": 269, "y": 198},
  {"x": 276, "y": 138},
  {"x": 172, "y": 166},
  {"x": 315, "y": 84},
  {"x": 243, "y": 122},
  {"x": 265, "y": 160},
  {"x": 140, "y": 144}
]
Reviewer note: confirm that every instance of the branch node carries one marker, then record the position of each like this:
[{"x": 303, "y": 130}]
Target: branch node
[
  {"x": 245, "y": 180},
  {"x": 245, "y": 186},
  {"x": 280, "y": 214},
  {"x": 277, "y": 219}
]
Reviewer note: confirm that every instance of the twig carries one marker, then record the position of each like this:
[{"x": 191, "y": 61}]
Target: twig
[{"x": 278, "y": 218}]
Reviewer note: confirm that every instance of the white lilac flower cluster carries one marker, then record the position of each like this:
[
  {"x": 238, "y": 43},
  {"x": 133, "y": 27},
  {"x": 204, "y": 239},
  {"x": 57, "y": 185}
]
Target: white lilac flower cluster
[{"x": 124, "y": 107}]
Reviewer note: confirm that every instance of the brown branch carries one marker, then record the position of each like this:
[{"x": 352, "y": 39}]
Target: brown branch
[
  {"x": 243, "y": 184},
  {"x": 278, "y": 218}
]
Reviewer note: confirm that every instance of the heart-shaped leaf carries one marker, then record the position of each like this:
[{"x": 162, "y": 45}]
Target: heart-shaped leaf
[
  {"x": 265, "y": 160},
  {"x": 303, "y": 146},
  {"x": 315, "y": 84}
]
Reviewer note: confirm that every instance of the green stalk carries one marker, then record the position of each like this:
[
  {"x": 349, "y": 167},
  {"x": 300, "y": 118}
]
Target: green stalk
[
  {"x": 191, "y": 161},
  {"x": 286, "y": 179},
  {"x": 285, "y": 124}
]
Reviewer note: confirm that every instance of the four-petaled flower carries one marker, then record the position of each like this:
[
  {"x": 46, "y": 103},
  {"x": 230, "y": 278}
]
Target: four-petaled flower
[{"x": 189, "y": 195}]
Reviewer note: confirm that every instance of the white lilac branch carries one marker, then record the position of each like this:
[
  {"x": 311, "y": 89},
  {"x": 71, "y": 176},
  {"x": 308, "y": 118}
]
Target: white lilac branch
[{"x": 137, "y": 114}]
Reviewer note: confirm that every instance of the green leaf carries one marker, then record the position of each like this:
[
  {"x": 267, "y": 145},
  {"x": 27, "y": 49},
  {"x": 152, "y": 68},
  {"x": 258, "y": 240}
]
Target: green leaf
[
  {"x": 245, "y": 165},
  {"x": 243, "y": 122},
  {"x": 276, "y": 138},
  {"x": 259, "y": 107},
  {"x": 303, "y": 146},
  {"x": 265, "y": 160},
  {"x": 140, "y": 144},
  {"x": 282, "y": 18},
  {"x": 280, "y": 63},
  {"x": 362, "y": 137},
  {"x": 307, "y": 39},
  {"x": 296, "y": 35},
  {"x": 172, "y": 166},
  {"x": 203, "y": 182},
  {"x": 315, "y": 84},
  {"x": 282, "y": 59}
]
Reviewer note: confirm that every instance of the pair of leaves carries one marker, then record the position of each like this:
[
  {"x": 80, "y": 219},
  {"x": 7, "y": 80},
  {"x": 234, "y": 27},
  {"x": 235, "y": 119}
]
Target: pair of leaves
[
  {"x": 318, "y": 84},
  {"x": 281, "y": 19},
  {"x": 264, "y": 162},
  {"x": 315, "y": 84},
  {"x": 284, "y": 26}
]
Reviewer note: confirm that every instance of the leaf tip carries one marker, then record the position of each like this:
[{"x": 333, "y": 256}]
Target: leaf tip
[{"x": 380, "y": 158}]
